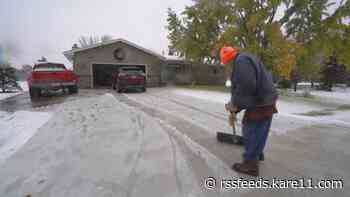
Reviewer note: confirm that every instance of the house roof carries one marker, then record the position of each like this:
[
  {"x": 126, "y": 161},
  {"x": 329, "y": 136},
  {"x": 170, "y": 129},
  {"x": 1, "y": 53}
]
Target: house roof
[{"x": 69, "y": 54}]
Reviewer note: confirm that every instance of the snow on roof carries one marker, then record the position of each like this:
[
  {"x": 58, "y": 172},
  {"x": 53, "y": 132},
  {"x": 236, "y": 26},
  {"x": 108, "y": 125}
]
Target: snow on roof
[
  {"x": 175, "y": 58},
  {"x": 46, "y": 62},
  {"x": 69, "y": 54}
]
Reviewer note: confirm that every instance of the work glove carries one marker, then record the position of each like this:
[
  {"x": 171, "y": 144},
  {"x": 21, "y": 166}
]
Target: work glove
[{"x": 231, "y": 108}]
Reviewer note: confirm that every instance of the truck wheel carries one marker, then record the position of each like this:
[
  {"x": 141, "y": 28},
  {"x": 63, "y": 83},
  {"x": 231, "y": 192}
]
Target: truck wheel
[
  {"x": 73, "y": 89},
  {"x": 34, "y": 93},
  {"x": 144, "y": 89}
]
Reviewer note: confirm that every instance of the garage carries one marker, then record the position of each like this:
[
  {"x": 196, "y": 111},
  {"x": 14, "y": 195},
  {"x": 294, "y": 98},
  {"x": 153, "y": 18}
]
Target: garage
[
  {"x": 103, "y": 74},
  {"x": 97, "y": 64}
]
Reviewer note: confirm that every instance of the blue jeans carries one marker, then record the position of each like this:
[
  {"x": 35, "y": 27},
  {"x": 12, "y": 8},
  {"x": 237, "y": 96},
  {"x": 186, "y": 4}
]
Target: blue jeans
[{"x": 255, "y": 134}]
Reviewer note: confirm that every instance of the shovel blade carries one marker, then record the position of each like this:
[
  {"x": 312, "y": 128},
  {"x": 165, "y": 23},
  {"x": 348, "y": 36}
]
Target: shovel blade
[{"x": 229, "y": 138}]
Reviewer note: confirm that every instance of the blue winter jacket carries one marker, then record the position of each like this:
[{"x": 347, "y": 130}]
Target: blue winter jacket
[{"x": 252, "y": 85}]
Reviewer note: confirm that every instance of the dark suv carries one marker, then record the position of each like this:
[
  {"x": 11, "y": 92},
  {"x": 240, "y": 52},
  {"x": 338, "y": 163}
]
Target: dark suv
[{"x": 129, "y": 78}]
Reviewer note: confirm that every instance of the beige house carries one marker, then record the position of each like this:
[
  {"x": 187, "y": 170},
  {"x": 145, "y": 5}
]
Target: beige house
[{"x": 97, "y": 64}]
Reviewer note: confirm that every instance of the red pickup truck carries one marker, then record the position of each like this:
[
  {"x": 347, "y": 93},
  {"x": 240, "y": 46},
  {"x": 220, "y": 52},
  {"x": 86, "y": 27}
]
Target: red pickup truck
[{"x": 51, "y": 76}]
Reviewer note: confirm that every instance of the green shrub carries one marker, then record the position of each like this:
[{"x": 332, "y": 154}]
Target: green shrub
[{"x": 284, "y": 84}]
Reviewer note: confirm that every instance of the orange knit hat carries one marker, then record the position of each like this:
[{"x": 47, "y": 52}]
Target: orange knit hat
[{"x": 228, "y": 54}]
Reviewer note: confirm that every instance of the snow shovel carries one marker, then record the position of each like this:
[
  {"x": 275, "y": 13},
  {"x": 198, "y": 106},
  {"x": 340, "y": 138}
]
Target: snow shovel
[
  {"x": 230, "y": 138},
  {"x": 233, "y": 139}
]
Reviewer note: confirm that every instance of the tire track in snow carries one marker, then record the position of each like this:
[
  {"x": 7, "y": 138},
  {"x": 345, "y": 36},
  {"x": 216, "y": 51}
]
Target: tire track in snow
[
  {"x": 132, "y": 177},
  {"x": 184, "y": 184},
  {"x": 181, "y": 101},
  {"x": 214, "y": 167},
  {"x": 176, "y": 173},
  {"x": 208, "y": 123},
  {"x": 221, "y": 116}
]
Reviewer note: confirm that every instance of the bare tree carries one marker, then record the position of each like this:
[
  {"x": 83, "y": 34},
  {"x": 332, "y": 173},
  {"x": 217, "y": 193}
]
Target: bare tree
[
  {"x": 85, "y": 41},
  {"x": 24, "y": 72},
  {"x": 8, "y": 79},
  {"x": 105, "y": 38}
]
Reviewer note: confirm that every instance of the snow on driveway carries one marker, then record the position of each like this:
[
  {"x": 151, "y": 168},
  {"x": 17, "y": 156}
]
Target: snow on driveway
[
  {"x": 17, "y": 128},
  {"x": 101, "y": 147}
]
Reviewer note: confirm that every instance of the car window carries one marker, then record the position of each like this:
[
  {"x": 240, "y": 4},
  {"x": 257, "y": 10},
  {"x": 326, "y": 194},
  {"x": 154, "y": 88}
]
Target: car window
[
  {"x": 49, "y": 67},
  {"x": 131, "y": 71}
]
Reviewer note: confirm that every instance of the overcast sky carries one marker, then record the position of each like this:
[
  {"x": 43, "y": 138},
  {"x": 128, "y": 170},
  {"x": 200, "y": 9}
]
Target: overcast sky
[{"x": 30, "y": 29}]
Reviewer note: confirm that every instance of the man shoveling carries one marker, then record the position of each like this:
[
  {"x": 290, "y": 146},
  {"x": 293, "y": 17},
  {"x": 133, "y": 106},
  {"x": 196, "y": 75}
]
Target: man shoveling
[{"x": 252, "y": 90}]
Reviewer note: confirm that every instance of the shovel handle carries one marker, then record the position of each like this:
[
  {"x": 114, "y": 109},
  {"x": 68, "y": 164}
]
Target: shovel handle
[
  {"x": 234, "y": 129},
  {"x": 233, "y": 125}
]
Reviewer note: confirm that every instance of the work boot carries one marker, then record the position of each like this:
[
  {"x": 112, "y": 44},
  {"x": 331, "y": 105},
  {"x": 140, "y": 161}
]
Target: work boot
[{"x": 249, "y": 167}]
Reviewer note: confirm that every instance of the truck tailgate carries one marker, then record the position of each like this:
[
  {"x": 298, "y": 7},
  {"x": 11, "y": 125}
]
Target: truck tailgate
[{"x": 55, "y": 76}]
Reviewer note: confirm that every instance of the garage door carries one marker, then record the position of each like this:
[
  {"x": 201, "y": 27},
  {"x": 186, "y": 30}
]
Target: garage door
[{"x": 103, "y": 74}]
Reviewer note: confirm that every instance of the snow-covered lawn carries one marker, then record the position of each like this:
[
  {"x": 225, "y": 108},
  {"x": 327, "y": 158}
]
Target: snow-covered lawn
[
  {"x": 17, "y": 128},
  {"x": 338, "y": 95},
  {"x": 8, "y": 95},
  {"x": 24, "y": 87},
  {"x": 220, "y": 97},
  {"x": 288, "y": 109}
]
